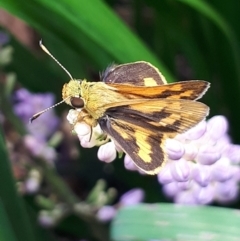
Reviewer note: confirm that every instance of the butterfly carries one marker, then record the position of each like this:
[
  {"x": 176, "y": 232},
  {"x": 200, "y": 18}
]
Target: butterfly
[{"x": 134, "y": 105}]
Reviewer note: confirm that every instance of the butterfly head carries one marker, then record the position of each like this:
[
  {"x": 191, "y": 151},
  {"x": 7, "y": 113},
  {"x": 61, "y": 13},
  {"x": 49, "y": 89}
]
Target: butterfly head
[{"x": 71, "y": 93}]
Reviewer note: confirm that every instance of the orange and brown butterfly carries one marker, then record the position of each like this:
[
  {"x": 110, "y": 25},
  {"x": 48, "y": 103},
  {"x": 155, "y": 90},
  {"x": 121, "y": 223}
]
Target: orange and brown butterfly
[{"x": 136, "y": 107}]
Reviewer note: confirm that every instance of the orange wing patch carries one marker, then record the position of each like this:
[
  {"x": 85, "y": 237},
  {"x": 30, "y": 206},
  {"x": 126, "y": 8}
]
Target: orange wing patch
[{"x": 189, "y": 90}]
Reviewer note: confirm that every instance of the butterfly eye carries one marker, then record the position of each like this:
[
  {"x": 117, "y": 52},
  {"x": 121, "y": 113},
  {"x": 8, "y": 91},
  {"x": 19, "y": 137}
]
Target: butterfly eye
[{"x": 77, "y": 102}]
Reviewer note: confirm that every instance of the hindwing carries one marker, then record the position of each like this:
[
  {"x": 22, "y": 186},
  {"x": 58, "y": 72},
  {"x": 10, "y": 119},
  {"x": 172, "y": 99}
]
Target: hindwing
[{"x": 141, "y": 129}]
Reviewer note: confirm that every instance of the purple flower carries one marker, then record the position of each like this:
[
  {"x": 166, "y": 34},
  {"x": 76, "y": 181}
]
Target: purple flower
[
  {"x": 132, "y": 197},
  {"x": 88, "y": 137},
  {"x": 28, "y": 104},
  {"x": 106, "y": 213},
  {"x": 107, "y": 152}
]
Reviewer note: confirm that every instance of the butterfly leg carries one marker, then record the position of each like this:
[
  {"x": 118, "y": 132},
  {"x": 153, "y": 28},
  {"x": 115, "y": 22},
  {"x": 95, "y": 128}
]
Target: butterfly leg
[{"x": 83, "y": 116}]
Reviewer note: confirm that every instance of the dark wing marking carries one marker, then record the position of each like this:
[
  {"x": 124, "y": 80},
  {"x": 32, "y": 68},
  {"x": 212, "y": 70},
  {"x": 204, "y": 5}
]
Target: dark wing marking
[{"x": 138, "y": 73}]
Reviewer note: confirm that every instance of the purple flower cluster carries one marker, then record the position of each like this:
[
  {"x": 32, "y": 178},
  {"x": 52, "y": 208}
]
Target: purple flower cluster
[
  {"x": 202, "y": 167},
  {"x": 26, "y": 105}
]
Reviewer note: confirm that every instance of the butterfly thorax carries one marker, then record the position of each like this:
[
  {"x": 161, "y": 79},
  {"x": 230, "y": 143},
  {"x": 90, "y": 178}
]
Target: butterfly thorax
[{"x": 96, "y": 96}]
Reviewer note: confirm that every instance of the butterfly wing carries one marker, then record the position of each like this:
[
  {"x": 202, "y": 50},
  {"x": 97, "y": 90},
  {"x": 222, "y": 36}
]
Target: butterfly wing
[
  {"x": 141, "y": 129},
  {"x": 189, "y": 90},
  {"x": 138, "y": 74},
  {"x": 141, "y": 79},
  {"x": 144, "y": 147}
]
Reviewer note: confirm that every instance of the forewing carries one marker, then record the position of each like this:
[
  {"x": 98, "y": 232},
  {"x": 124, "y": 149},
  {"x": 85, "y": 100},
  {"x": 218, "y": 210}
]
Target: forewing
[
  {"x": 189, "y": 90},
  {"x": 138, "y": 73},
  {"x": 142, "y": 128}
]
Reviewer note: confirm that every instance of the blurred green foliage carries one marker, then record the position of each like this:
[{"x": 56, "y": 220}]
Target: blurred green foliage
[
  {"x": 185, "y": 39},
  {"x": 151, "y": 222}
]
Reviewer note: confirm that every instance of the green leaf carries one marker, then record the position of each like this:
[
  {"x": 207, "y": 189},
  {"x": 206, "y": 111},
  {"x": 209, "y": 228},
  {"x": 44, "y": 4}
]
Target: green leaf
[
  {"x": 6, "y": 232},
  {"x": 176, "y": 222},
  {"x": 11, "y": 201},
  {"x": 89, "y": 28}
]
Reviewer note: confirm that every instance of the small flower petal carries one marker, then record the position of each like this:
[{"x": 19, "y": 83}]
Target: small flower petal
[
  {"x": 184, "y": 185},
  {"x": 191, "y": 152},
  {"x": 181, "y": 170},
  {"x": 185, "y": 197},
  {"x": 72, "y": 116},
  {"x": 171, "y": 189},
  {"x": 204, "y": 195},
  {"x": 222, "y": 171},
  {"x": 233, "y": 153},
  {"x": 82, "y": 129},
  {"x": 201, "y": 175},
  {"x": 165, "y": 175},
  {"x": 106, "y": 213},
  {"x": 207, "y": 155},
  {"x": 175, "y": 149},
  {"x": 129, "y": 164},
  {"x": 84, "y": 132},
  {"x": 217, "y": 126},
  {"x": 134, "y": 196},
  {"x": 86, "y": 142},
  {"x": 107, "y": 152},
  {"x": 227, "y": 191},
  {"x": 196, "y": 132}
]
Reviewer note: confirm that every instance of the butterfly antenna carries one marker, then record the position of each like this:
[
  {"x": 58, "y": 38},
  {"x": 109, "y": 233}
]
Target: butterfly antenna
[
  {"x": 47, "y": 51},
  {"x": 35, "y": 116}
]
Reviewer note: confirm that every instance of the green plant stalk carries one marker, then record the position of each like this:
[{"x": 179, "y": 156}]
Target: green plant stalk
[{"x": 83, "y": 210}]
